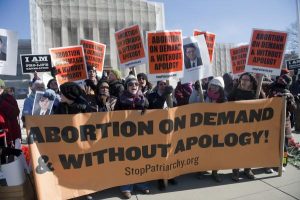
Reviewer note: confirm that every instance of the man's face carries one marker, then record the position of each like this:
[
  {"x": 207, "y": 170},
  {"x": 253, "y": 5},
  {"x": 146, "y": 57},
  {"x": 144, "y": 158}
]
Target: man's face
[
  {"x": 44, "y": 103},
  {"x": 191, "y": 53}
]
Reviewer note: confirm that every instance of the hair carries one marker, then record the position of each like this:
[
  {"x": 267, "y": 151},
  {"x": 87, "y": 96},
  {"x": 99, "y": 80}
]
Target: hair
[
  {"x": 49, "y": 82},
  {"x": 143, "y": 75},
  {"x": 252, "y": 80}
]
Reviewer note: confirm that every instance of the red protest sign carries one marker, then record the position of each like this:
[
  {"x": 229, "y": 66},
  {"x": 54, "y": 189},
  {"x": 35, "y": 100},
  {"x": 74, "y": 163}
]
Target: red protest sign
[
  {"x": 266, "y": 50},
  {"x": 238, "y": 57},
  {"x": 165, "y": 53},
  {"x": 130, "y": 46},
  {"x": 94, "y": 54},
  {"x": 210, "y": 39},
  {"x": 70, "y": 64}
]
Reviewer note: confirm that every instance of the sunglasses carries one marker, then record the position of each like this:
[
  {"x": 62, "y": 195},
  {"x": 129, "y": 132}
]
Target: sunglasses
[{"x": 130, "y": 84}]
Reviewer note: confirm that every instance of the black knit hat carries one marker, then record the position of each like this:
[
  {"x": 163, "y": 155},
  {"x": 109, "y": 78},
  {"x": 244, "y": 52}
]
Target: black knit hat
[
  {"x": 287, "y": 79},
  {"x": 71, "y": 90}
]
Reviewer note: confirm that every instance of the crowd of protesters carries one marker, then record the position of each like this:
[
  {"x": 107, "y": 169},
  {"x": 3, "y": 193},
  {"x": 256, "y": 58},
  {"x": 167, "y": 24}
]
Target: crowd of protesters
[{"x": 112, "y": 92}]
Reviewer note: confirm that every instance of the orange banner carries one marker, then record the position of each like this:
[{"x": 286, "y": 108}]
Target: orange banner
[
  {"x": 70, "y": 64},
  {"x": 210, "y": 39},
  {"x": 238, "y": 57},
  {"x": 130, "y": 46},
  {"x": 74, "y": 155},
  {"x": 266, "y": 50},
  {"x": 165, "y": 53},
  {"x": 94, "y": 54}
]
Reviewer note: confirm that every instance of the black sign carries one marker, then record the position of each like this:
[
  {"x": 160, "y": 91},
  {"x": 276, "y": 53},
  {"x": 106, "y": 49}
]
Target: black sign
[
  {"x": 35, "y": 63},
  {"x": 293, "y": 64}
]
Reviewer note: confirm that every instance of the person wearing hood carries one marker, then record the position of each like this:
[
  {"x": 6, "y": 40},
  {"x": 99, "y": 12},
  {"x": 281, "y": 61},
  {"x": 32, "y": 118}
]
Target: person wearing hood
[
  {"x": 214, "y": 94},
  {"x": 132, "y": 99},
  {"x": 116, "y": 86},
  {"x": 72, "y": 100}
]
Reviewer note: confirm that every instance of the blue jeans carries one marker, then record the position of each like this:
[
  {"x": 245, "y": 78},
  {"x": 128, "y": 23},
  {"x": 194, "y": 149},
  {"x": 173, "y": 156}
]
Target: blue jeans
[{"x": 136, "y": 186}]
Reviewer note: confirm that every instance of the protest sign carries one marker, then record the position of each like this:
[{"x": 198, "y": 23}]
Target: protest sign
[
  {"x": 238, "y": 57},
  {"x": 35, "y": 63},
  {"x": 43, "y": 103},
  {"x": 70, "y": 64},
  {"x": 196, "y": 59},
  {"x": 165, "y": 55},
  {"x": 130, "y": 47},
  {"x": 90, "y": 147},
  {"x": 210, "y": 39},
  {"x": 293, "y": 64},
  {"x": 94, "y": 54},
  {"x": 265, "y": 55},
  {"x": 8, "y": 52}
]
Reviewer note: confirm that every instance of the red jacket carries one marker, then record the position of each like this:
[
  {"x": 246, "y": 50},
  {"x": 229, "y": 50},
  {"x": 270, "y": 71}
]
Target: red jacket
[{"x": 9, "y": 114}]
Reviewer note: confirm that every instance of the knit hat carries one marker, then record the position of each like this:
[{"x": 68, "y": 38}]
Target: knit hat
[
  {"x": 129, "y": 79},
  {"x": 2, "y": 84},
  {"x": 284, "y": 71},
  {"x": 287, "y": 79},
  {"x": 218, "y": 81},
  {"x": 71, "y": 90},
  {"x": 117, "y": 73}
]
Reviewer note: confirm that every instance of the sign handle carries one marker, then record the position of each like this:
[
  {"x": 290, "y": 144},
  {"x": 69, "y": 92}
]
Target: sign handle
[
  {"x": 259, "y": 85},
  {"x": 282, "y": 136},
  {"x": 200, "y": 92}
]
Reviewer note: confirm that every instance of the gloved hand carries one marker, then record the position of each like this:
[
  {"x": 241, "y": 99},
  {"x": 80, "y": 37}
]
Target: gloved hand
[{"x": 168, "y": 90}]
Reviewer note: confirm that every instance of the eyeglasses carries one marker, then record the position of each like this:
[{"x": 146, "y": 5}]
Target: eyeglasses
[
  {"x": 245, "y": 79},
  {"x": 44, "y": 100},
  {"x": 104, "y": 87},
  {"x": 162, "y": 84},
  {"x": 130, "y": 84}
]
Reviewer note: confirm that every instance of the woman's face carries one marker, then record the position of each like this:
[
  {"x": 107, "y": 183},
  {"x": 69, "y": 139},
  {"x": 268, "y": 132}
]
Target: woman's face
[
  {"x": 53, "y": 85},
  {"x": 112, "y": 76},
  {"x": 245, "y": 83},
  {"x": 142, "y": 81},
  {"x": 133, "y": 87},
  {"x": 104, "y": 89},
  {"x": 92, "y": 74}
]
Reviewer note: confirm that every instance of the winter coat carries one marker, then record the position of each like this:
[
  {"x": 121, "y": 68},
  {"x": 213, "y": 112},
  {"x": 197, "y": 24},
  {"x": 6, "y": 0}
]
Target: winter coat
[
  {"x": 116, "y": 88},
  {"x": 183, "y": 93},
  {"x": 79, "y": 106},
  {"x": 128, "y": 101},
  {"x": 9, "y": 112},
  {"x": 109, "y": 105}
]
